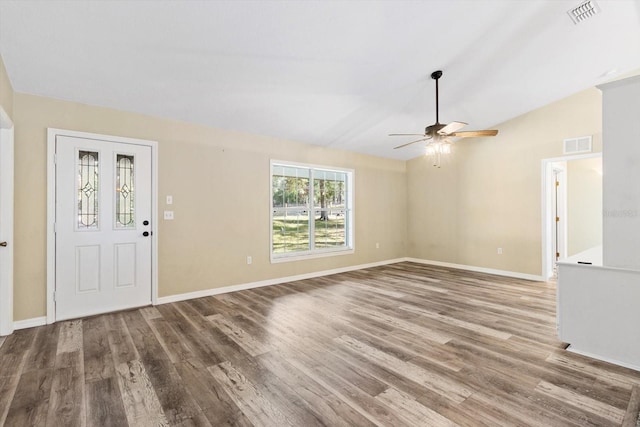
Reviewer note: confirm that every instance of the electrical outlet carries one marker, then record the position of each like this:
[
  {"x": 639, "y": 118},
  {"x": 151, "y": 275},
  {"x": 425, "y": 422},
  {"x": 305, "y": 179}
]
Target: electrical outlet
[
  {"x": 168, "y": 215},
  {"x": 249, "y": 260},
  {"x": 499, "y": 251}
]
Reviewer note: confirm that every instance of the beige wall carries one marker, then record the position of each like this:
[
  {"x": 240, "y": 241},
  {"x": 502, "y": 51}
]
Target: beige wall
[
  {"x": 6, "y": 91},
  {"x": 584, "y": 204},
  {"x": 204, "y": 169},
  {"x": 489, "y": 195}
]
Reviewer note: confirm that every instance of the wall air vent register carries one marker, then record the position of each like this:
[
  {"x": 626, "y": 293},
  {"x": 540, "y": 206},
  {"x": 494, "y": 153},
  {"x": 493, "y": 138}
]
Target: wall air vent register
[
  {"x": 578, "y": 145},
  {"x": 585, "y": 10}
]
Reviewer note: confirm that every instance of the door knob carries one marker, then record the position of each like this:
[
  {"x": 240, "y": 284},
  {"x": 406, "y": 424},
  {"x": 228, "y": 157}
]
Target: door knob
[
  {"x": 3, "y": 244},
  {"x": 145, "y": 234}
]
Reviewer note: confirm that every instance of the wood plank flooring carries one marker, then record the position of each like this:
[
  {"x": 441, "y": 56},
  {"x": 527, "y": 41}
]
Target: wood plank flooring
[{"x": 398, "y": 345}]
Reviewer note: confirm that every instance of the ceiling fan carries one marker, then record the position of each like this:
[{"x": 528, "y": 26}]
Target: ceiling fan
[{"x": 439, "y": 133}]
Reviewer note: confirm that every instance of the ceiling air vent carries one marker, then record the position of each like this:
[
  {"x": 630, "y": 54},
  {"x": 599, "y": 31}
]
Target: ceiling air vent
[
  {"x": 577, "y": 145},
  {"x": 583, "y": 11}
]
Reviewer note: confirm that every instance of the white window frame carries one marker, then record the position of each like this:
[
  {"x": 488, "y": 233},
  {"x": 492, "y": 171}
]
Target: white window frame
[{"x": 349, "y": 223}]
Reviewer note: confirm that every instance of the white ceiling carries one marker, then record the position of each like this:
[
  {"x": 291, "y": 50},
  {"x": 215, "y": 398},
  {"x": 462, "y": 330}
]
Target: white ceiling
[{"x": 333, "y": 73}]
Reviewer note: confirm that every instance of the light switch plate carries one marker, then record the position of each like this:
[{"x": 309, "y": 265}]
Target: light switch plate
[
  {"x": 169, "y": 200},
  {"x": 168, "y": 215}
]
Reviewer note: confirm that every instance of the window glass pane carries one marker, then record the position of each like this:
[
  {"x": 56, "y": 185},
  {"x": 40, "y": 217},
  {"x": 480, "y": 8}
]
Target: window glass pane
[
  {"x": 87, "y": 190},
  {"x": 290, "y": 227},
  {"x": 329, "y": 195},
  {"x": 290, "y": 230},
  {"x": 293, "y": 172},
  {"x": 125, "y": 212},
  {"x": 290, "y": 187},
  {"x": 330, "y": 232}
]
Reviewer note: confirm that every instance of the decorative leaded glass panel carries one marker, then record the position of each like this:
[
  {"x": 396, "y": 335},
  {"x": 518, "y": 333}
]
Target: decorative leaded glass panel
[
  {"x": 87, "y": 189},
  {"x": 125, "y": 212}
]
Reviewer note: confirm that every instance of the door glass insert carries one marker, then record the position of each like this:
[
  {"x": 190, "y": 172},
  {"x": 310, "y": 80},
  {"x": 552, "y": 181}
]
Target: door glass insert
[
  {"x": 87, "y": 190},
  {"x": 125, "y": 209}
]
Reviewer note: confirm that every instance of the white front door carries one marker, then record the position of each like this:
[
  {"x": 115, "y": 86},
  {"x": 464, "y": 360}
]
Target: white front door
[
  {"x": 6, "y": 224},
  {"x": 103, "y": 229}
]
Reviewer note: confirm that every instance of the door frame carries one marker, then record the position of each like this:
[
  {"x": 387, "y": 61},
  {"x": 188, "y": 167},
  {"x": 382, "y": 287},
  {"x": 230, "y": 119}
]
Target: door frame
[
  {"x": 6, "y": 214},
  {"x": 547, "y": 213},
  {"x": 558, "y": 207},
  {"x": 52, "y": 133}
]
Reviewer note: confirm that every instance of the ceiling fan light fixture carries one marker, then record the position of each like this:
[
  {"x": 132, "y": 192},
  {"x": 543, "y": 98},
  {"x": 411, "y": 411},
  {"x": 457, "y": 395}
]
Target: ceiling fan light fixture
[
  {"x": 430, "y": 150},
  {"x": 437, "y": 150},
  {"x": 438, "y": 147}
]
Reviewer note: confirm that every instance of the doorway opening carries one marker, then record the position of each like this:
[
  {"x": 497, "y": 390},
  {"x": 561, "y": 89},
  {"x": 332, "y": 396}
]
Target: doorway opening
[
  {"x": 571, "y": 207},
  {"x": 6, "y": 224}
]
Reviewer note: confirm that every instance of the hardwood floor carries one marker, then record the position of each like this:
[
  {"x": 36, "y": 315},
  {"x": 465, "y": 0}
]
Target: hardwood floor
[{"x": 399, "y": 345}]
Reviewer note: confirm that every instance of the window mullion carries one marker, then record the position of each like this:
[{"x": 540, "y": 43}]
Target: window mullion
[
  {"x": 311, "y": 207},
  {"x": 347, "y": 211}
]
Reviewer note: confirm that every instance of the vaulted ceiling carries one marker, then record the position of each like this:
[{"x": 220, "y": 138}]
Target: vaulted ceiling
[{"x": 334, "y": 73}]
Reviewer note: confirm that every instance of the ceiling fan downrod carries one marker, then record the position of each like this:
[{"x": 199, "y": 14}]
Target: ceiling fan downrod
[{"x": 435, "y": 76}]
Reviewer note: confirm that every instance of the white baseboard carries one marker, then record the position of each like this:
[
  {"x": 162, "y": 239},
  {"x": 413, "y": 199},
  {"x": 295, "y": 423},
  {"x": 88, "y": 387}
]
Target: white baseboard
[
  {"x": 29, "y": 323},
  {"x": 505, "y": 273},
  {"x": 269, "y": 282},
  {"x": 40, "y": 321},
  {"x": 604, "y": 359},
  {"x": 276, "y": 281}
]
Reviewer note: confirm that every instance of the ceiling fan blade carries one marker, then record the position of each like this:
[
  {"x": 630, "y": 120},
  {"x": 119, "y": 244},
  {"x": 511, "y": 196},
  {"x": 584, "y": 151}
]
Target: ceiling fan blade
[
  {"x": 451, "y": 127},
  {"x": 406, "y": 134},
  {"x": 472, "y": 133},
  {"x": 412, "y": 142}
]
